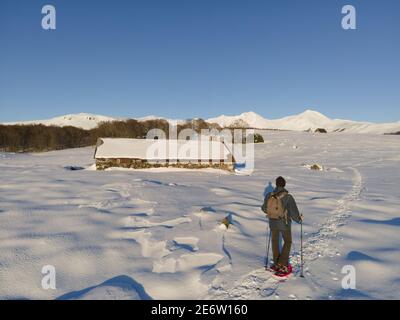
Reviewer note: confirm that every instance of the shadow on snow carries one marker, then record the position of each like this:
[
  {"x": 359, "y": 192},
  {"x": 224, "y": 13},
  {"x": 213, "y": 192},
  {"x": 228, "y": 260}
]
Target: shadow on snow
[{"x": 123, "y": 283}]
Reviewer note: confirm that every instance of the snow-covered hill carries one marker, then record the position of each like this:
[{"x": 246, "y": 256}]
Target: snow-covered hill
[
  {"x": 250, "y": 119},
  {"x": 85, "y": 121},
  {"x": 81, "y": 120},
  {"x": 309, "y": 119}
]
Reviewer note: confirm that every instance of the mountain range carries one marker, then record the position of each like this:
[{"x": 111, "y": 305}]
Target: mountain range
[{"x": 307, "y": 120}]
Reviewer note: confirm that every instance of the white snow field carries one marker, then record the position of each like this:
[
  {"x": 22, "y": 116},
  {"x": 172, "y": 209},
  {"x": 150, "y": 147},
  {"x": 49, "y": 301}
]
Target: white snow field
[{"x": 126, "y": 234}]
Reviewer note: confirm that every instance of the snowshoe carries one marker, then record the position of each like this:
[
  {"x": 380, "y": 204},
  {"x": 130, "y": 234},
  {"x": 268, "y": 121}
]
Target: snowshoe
[
  {"x": 272, "y": 268},
  {"x": 284, "y": 272}
]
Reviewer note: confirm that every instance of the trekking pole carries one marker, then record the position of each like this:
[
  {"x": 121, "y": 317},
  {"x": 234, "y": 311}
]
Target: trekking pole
[
  {"x": 301, "y": 249},
  {"x": 268, "y": 243}
]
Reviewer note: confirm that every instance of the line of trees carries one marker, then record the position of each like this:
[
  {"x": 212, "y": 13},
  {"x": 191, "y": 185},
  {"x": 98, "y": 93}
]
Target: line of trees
[
  {"x": 35, "y": 138},
  {"x": 39, "y": 138}
]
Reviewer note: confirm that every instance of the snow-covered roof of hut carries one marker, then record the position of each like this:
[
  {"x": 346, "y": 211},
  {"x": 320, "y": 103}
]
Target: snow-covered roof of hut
[{"x": 148, "y": 149}]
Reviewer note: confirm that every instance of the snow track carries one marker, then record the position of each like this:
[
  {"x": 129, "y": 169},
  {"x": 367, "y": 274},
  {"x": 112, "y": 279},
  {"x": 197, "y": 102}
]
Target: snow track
[{"x": 317, "y": 245}]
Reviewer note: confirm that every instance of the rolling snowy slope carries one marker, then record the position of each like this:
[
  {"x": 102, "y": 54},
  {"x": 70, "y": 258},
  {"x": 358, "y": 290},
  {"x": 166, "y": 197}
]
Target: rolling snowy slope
[{"x": 85, "y": 121}]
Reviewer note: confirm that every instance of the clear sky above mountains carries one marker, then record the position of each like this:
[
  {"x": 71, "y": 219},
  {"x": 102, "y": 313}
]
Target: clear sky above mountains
[{"x": 184, "y": 59}]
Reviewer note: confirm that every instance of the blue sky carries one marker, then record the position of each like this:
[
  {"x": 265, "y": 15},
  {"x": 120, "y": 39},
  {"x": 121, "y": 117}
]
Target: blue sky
[{"x": 200, "y": 58}]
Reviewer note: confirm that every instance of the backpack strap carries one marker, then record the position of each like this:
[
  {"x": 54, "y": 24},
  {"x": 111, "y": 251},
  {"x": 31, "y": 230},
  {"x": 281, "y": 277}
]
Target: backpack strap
[{"x": 280, "y": 196}]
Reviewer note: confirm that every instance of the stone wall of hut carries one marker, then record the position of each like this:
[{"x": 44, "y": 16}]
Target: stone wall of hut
[{"x": 103, "y": 164}]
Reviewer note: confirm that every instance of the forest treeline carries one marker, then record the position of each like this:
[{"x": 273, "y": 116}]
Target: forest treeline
[{"x": 39, "y": 138}]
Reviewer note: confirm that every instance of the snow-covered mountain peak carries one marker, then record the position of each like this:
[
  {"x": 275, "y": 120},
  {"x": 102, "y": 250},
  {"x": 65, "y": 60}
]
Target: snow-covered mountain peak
[
  {"x": 251, "y": 116},
  {"x": 84, "y": 117},
  {"x": 309, "y": 118},
  {"x": 246, "y": 119},
  {"x": 312, "y": 114}
]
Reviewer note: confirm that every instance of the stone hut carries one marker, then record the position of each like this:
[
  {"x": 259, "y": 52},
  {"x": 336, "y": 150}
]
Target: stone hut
[{"x": 149, "y": 153}]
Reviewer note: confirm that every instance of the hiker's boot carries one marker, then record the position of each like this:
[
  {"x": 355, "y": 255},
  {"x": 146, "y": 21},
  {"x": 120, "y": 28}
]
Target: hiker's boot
[{"x": 284, "y": 271}]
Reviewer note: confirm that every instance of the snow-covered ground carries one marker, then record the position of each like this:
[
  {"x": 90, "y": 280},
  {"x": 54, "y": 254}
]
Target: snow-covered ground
[{"x": 156, "y": 234}]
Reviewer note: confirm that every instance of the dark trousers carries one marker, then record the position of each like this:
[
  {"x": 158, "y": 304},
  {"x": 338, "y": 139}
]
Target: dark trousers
[{"x": 281, "y": 257}]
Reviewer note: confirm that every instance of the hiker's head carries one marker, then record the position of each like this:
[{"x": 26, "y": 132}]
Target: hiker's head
[{"x": 280, "y": 182}]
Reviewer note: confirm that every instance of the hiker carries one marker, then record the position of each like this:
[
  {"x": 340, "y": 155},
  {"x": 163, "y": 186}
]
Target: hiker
[{"x": 281, "y": 209}]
